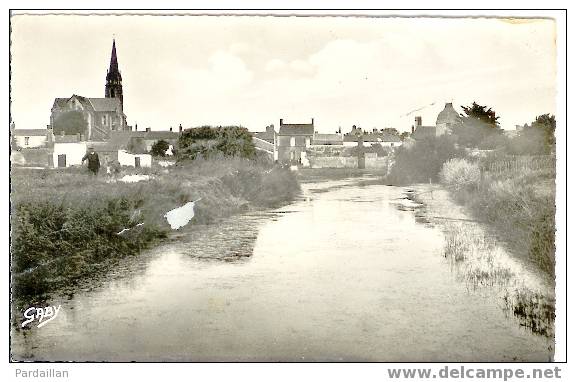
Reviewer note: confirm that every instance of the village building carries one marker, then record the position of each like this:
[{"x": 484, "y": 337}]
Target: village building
[
  {"x": 31, "y": 138},
  {"x": 293, "y": 140},
  {"x": 269, "y": 135},
  {"x": 327, "y": 140},
  {"x": 375, "y": 137},
  {"x": 102, "y": 115},
  {"x": 446, "y": 121}
]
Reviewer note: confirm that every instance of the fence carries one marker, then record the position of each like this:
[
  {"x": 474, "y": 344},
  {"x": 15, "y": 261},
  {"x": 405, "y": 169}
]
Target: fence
[{"x": 517, "y": 163}]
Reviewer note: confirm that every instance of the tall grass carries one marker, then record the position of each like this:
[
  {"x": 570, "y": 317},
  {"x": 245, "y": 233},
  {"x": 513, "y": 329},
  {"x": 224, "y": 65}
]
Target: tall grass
[
  {"x": 479, "y": 262},
  {"x": 517, "y": 201},
  {"x": 65, "y": 223}
]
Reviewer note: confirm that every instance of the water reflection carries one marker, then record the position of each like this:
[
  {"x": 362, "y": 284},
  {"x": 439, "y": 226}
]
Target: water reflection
[{"x": 327, "y": 278}]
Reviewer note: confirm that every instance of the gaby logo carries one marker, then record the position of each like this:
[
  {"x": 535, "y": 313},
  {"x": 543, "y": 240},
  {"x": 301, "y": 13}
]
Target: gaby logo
[{"x": 44, "y": 315}]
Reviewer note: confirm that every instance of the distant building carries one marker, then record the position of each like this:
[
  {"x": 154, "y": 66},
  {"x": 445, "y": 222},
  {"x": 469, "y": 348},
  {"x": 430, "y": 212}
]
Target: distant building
[
  {"x": 327, "y": 140},
  {"x": 292, "y": 141},
  {"x": 381, "y": 138},
  {"x": 31, "y": 138},
  {"x": 102, "y": 115},
  {"x": 446, "y": 121},
  {"x": 269, "y": 135}
]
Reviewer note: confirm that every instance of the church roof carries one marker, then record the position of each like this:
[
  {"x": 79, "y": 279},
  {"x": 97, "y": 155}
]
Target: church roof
[
  {"x": 96, "y": 104},
  {"x": 105, "y": 104}
]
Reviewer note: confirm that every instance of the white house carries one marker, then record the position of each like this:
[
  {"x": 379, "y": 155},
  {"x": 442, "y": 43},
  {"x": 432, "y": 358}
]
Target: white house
[
  {"x": 134, "y": 160},
  {"x": 68, "y": 154},
  {"x": 30, "y": 138}
]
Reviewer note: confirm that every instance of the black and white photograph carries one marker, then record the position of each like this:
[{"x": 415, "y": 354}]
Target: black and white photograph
[{"x": 287, "y": 187}]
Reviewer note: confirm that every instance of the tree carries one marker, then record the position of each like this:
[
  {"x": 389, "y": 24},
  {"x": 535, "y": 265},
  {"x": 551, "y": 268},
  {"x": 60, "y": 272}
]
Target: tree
[
  {"x": 159, "y": 148},
  {"x": 70, "y": 123},
  {"x": 479, "y": 127},
  {"x": 481, "y": 113},
  {"x": 209, "y": 142},
  {"x": 547, "y": 123},
  {"x": 404, "y": 135},
  {"x": 423, "y": 160},
  {"x": 535, "y": 139}
]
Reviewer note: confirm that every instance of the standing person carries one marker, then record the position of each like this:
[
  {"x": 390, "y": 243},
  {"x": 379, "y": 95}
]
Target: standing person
[{"x": 93, "y": 160}]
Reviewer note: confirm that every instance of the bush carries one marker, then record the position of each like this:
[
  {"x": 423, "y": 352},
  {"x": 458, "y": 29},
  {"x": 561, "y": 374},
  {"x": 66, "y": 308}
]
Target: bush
[
  {"x": 458, "y": 173},
  {"x": 209, "y": 142},
  {"x": 65, "y": 222},
  {"x": 159, "y": 148},
  {"x": 422, "y": 161}
]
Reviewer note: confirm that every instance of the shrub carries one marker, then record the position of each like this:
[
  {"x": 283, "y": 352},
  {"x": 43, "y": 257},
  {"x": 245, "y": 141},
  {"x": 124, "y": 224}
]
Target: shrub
[
  {"x": 458, "y": 173},
  {"x": 159, "y": 148},
  {"x": 208, "y": 142},
  {"x": 423, "y": 160}
]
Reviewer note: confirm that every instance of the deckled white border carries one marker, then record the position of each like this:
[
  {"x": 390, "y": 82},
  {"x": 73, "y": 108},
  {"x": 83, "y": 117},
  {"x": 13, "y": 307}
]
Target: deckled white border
[{"x": 289, "y": 372}]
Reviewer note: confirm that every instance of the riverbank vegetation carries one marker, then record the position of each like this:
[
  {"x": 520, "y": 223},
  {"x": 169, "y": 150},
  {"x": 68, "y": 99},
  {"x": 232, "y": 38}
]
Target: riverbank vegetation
[
  {"x": 477, "y": 260},
  {"x": 506, "y": 182},
  {"x": 515, "y": 196},
  {"x": 68, "y": 225}
]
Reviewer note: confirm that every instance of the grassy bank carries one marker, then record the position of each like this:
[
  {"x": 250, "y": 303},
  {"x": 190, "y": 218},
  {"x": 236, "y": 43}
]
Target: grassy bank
[
  {"x": 515, "y": 196},
  {"x": 65, "y": 223},
  {"x": 481, "y": 261}
]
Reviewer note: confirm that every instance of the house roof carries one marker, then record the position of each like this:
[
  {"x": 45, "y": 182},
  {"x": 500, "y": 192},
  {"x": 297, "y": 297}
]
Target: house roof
[
  {"x": 373, "y": 137},
  {"x": 161, "y": 135},
  {"x": 29, "y": 132},
  {"x": 296, "y": 129},
  {"x": 267, "y": 136},
  {"x": 323, "y": 139},
  {"x": 104, "y": 146},
  {"x": 122, "y": 138},
  {"x": 66, "y": 138},
  {"x": 423, "y": 132}
]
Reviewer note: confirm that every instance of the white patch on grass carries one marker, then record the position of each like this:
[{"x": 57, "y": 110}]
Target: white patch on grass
[
  {"x": 134, "y": 178},
  {"x": 180, "y": 216}
]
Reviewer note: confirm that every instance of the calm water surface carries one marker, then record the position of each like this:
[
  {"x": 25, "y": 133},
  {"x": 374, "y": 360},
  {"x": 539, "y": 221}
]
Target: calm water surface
[{"x": 340, "y": 274}]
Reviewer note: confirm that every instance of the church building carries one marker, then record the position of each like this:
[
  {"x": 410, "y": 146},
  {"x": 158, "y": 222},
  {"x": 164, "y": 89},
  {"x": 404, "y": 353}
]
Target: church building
[{"x": 102, "y": 115}]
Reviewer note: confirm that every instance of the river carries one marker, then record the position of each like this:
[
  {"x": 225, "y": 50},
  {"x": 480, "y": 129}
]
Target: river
[{"x": 341, "y": 274}]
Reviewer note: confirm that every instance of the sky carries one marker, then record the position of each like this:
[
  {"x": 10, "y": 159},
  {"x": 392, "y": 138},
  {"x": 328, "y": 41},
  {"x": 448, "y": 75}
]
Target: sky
[{"x": 253, "y": 70}]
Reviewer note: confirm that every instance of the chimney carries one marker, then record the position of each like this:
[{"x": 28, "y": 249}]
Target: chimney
[
  {"x": 180, "y": 127},
  {"x": 312, "y": 121},
  {"x": 136, "y": 127},
  {"x": 374, "y": 130},
  {"x": 148, "y": 129},
  {"x": 418, "y": 121},
  {"x": 281, "y": 121},
  {"x": 170, "y": 128},
  {"x": 412, "y": 129}
]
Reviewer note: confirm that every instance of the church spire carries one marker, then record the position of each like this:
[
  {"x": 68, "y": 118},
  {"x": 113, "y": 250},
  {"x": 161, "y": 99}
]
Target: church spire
[
  {"x": 113, "y": 58},
  {"x": 114, "y": 78}
]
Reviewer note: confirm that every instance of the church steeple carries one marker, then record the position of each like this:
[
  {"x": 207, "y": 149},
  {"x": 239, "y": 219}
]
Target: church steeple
[{"x": 114, "y": 78}]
